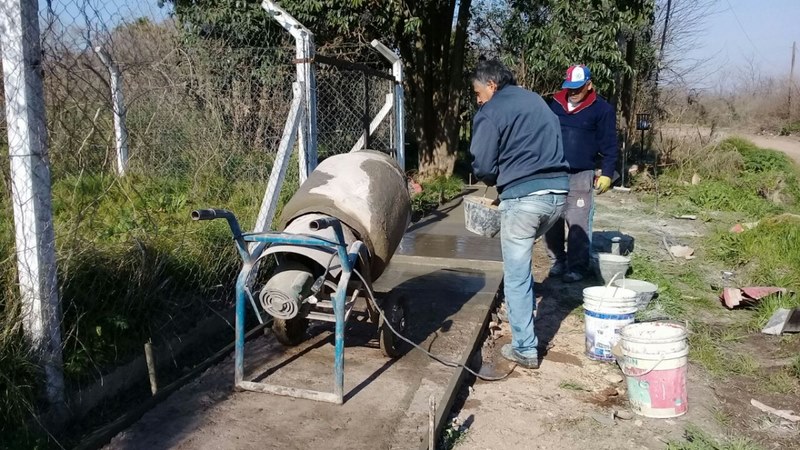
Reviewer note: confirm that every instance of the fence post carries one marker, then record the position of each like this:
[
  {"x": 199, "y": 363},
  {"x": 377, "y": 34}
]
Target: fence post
[
  {"x": 304, "y": 44},
  {"x": 399, "y": 96},
  {"x": 118, "y": 105},
  {"x": 30, "y": 191}
]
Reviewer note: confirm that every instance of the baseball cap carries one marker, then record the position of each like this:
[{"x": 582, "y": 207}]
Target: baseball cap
[{"x": 576, "y": 77}]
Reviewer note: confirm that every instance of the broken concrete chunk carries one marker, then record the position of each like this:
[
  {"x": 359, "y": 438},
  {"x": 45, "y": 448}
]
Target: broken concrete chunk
[
  {"x": 682, "y": 251},
  {"x": 777, "y": 322},
  {"x": 614, "y": 378},
  {"x": 793, "y": 322},
  {"x": 604, "y": 419}
]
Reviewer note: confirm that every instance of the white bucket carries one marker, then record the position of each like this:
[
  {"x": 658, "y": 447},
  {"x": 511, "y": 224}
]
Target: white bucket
[
  {"x": 654, "y": 361},
  {"x": 606, "y": 311},
  {"x": 612, "y": 266},
  {"x": 644, "y": 289}
]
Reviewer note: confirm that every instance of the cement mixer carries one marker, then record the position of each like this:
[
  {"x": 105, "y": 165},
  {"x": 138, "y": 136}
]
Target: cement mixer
[{"x": 346, "y": 219}]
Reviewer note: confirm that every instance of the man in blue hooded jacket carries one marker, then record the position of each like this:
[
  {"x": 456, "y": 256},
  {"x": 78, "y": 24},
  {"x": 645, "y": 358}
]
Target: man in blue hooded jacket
[
  {"x": 589, "y": 129},
  {"x": 516, "y": 145}
]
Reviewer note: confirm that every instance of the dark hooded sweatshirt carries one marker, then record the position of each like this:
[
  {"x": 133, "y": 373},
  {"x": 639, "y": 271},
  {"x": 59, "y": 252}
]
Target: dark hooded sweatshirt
[
  {"x": 588, "y": 130},
  {"x": 516, "y": 144}
]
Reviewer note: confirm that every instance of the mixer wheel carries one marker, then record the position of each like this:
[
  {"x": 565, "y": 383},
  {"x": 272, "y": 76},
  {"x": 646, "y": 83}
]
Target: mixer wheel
[
  {"x": 290, "y": 332},
  {"x": 395, "y": 309}
]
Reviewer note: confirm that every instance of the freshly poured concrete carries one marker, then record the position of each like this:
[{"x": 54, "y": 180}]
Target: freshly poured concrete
[{"x": 386, "y": 401}]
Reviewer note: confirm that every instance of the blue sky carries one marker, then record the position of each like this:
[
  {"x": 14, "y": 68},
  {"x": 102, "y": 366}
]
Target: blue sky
[{"x": 741, "y": 30}]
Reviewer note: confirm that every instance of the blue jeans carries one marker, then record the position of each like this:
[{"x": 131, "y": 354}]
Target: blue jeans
[{"x": 522, "y": 220}]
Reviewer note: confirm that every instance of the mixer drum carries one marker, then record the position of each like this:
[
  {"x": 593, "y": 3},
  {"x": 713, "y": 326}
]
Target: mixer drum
[{"x": 367, "y": 191}]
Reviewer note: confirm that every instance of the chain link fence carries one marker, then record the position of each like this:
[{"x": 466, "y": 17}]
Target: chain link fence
[{"x": 193, "y": 116}]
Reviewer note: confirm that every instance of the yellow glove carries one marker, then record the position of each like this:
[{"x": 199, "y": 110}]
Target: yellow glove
[{"x": 603, "y": 184}]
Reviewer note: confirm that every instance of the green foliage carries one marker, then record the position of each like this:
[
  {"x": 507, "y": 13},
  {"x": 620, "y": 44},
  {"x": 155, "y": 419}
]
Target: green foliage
[
  {"x": 754, "y": 181},
  {"x": 542, "y": 38},
  {"x": 572, "y": 385},
  {"x": 768, "y": 254},
  {"x": 435, "y": 192},
  {"x": 669, "y": 300},
  {"x": 794, "y": 367}
]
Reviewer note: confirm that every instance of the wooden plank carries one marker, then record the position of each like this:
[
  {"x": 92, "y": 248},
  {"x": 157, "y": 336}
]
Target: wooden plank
[{"x": 307, "y": 394}]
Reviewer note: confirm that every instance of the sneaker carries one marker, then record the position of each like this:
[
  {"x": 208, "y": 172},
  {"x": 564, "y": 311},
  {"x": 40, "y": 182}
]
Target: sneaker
[
  {"x": 572, "y": 277},
  {"x": 512, "y": 355},
  {"x": 558, "y": 269}
]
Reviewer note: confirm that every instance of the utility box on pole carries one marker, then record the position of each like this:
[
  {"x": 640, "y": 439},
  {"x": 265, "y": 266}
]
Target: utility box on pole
[{"x": 30, "y": 190}]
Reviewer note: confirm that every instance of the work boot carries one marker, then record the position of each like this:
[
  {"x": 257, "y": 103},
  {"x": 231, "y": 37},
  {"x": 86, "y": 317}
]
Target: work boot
[
  {"x": 572, "y": 277},
  {"x": 558, "y": 269},
  {"x": 512, "y": 355}
]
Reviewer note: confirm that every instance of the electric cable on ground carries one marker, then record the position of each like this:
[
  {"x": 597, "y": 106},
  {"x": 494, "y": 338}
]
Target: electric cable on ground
[{"x": 439, "y": 359}]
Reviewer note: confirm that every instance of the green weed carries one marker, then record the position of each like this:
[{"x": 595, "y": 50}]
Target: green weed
[
  {"x": 435, "y": 192},
  {"x": 742, "y": 364},
  {"x": 781, "y": 382},
  {"x": 452, "y": 436},
  {"x": 572, "y": 385},
  {"x": 697, "y": 439},
  {"x": 794, "y": 367},
  {"x": 704, "y": 349},
  {"x": 755, "y": 182},
  {"x": 670, "y": 299}
]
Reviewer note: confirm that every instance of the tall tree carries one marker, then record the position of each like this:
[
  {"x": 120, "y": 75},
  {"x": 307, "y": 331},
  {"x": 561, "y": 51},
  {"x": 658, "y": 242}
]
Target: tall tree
[
  {"x": 431, "y": 36},
  {"x": 543, "y": 37}
]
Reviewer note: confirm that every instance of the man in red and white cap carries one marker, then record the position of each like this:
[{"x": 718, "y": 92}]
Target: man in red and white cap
[{"x": 589, "y": 128}]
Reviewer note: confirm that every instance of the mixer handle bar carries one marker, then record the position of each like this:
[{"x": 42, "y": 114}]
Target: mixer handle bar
[
  {"x": 322, "y": 223},
  {"x": 210, "y": 214}
]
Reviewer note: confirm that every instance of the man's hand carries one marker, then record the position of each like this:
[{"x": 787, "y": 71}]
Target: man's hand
[{"x": 603, "y": 184}]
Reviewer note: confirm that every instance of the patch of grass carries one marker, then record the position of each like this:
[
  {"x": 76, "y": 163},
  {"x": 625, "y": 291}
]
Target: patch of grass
[
  {"x": 704, "y": 349},
  {"x": 755, "y": 182},
  {"x": 721, "y": 416},
  {"x": 435, "y": 191},
  {"x": 742, "y": 364},
  {"x": 781, "y": 382},
  {"x": 669, "y": 295},
  {"x": 794, "y": 367},
  {"x": 768, "y": 254},
  {"x": 572, "y": 385},
  {"x": 697, "y": 439}
]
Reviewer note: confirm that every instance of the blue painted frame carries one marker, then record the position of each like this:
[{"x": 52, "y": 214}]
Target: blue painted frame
[{"x": 348, "y": 260}]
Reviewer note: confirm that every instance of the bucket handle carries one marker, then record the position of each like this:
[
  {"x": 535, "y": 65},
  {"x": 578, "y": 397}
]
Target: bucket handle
[
  {"x": 611, "y": 281},
  {"x": 642, "y": 374},
  {"x": 615, "y": 277}
]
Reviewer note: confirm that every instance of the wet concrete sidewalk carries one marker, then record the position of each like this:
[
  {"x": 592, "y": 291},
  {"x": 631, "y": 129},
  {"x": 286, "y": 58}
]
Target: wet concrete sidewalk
[{"x": 450, "y": 278}]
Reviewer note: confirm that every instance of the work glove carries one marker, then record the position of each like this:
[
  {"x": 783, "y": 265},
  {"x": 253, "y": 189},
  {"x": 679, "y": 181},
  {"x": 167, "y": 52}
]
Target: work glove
[{"x": 603, "y": 184}]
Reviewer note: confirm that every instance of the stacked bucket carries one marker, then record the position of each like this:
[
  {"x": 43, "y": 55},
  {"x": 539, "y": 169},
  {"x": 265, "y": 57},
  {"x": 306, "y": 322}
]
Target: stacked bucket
[{"x": 653, "y": 356}]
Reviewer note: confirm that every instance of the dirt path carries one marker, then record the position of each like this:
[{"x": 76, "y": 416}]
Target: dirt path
[
  {"x": 786, "y": 144},
  {"x": 568, "y": 402},
  {"x": 790, "y": 145}
]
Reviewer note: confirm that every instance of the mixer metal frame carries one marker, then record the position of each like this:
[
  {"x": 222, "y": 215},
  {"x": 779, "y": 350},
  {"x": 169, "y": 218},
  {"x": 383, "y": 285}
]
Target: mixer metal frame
[{"x": 341, "y": 309}]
